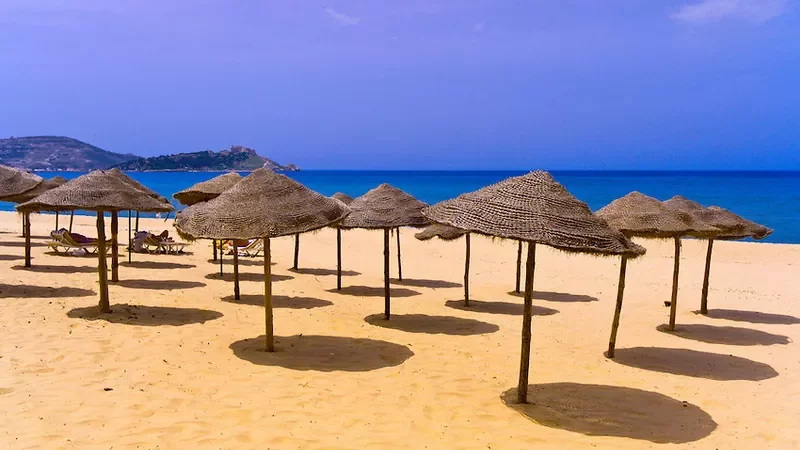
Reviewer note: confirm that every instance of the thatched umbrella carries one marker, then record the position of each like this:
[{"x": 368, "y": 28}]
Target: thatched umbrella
[
  {"x": 386, "y": 208},
  {"x": 40, "y": 189},
  {"x": 638, "y": 215},
  {"x": 448, "y": 233},
  {"x": 208, "y": 190},
  {"x": 731, "y": 226},
  {"x": 263, "y": 205},
  {"x": 15, "y": 182},
  {"x": 536, "y": 209},
  {"x": 101, "y": 192}
]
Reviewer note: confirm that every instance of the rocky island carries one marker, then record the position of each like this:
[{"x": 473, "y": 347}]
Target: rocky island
[{"x": 235, "y": 158}]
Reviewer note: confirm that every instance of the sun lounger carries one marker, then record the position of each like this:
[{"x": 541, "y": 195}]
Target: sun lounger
[
  {"x": 62, "y": 239},
  {"x": 252, "y": 249},
  {"x": 154, "y": 244}
]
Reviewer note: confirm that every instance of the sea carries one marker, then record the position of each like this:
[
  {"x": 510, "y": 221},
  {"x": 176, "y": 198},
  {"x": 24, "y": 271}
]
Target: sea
[{"x": 770, "y": 198}]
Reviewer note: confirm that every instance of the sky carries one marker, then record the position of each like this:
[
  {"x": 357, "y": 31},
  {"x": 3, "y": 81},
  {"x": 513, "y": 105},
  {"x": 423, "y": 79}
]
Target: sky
[{"x": 452, "y": 84}]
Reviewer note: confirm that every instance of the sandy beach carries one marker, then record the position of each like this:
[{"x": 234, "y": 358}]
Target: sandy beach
[{"x": 177, "y": 363}]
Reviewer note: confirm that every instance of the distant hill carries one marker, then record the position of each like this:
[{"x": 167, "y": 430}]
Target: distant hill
[
  {"x": 235, "y": 158},
  {"x": 56, "y": 153}
]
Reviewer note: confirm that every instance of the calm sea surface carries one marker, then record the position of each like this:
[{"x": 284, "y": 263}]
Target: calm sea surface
[{"x": 770, "y": 198}]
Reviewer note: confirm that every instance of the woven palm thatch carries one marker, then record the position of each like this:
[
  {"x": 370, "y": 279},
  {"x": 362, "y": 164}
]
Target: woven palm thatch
[
  {"x": 95, "y": 191},
  {"x": 14, "y": 181},
  {"x": 533, "y": 208},
  {"x": 638, "y": 215},
  {"x": 342, "y": 197},
  {"x": 135, "y": 184},
  {"x": 744, "y": 229},
  {"x": 40, "y": 189},
  {"x": 207, "y": 190},
  {"x": 443, "y": 232},
  {"x": 537, "y": 209},
  {"x": 385, "y": 207},
  {"x": 263, "y": 204}
]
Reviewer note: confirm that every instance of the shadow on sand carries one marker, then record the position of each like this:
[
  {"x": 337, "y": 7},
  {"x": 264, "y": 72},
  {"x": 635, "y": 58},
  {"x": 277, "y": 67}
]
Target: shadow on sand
[
  {"x": 30, "y": 291},
  {"x": 433, "y": 284},
  {"x": 21, "y": 244},
  {"x": 691, "y": 363},
  {"x": 751, "y": 316},
  {"x": 511, "y": 309},
  {"x": 243, "y": 261},
  {"x": 158, "y": 265},
  {"x": 57, "y": 269},
  {"x": 324, "y": 272},
  {"x": 323, "y": 353},
  {"x": 557, "y": 297},
  {"x": 11, "y": 258},
  {"x": 146, "y": 315},
  {"x": 598, "y": 410},
  {"x": 421, "y": 323},
  {"x": 725, "y": 335},
  {"x": 280, "y": 301},
  {"x": 370, "y": 291},
  {"x": 246, "y": 276},
  {"x": 159, "y": 284}
]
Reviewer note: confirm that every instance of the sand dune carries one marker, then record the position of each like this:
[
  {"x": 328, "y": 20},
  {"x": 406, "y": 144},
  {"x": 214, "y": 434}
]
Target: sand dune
[{"x": 177, "y": 364}]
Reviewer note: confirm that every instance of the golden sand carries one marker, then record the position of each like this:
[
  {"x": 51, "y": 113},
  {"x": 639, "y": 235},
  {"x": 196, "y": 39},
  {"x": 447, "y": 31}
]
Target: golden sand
[{"x": 176, "y": 365}]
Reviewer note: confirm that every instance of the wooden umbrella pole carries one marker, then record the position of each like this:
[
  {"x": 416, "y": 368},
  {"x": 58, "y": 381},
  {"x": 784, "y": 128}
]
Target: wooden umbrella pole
[
  {"x": 519, "y": 265},
  {"x": 399, "y": 262},
  {"x": 214, "y": 248},
  {"x": 525, "y": 357},
  {"x": 269, "y": 338},
  {"x": 130, "y": 239},
  {"x": 102, "y": 268},
  {"x": 220, "y": 258},
  {"x": 612, "y": 341},
  {"x": 466, "y": 273},
  {"x": 56, "y": 220},
  {"x": 704, "y": 295},
  {"x": 137, "y": 221},
  {"x": 26, "y": 230},
  {"x": 114, "y": 246},
  {"x": 387, "y": 300},
  {"x": 71, "y": 217},
  {"x": 296, "y": 250},
  {"x": 235, "y": 269},
  {"x": 673, "y": 306},
  {"x": 338, "y": 259}
]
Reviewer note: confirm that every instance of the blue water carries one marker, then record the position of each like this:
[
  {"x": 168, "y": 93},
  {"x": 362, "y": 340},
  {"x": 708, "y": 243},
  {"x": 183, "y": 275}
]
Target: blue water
[{"x": 770, "y": 198}]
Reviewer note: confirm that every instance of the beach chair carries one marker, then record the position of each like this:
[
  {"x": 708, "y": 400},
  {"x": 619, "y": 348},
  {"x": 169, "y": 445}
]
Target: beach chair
[
  {"x": 154, "y": 245},
  {"x": 173, "y": 246},
  {"x": 63, "y": 239},
  {"x": 252, "y": 249}
]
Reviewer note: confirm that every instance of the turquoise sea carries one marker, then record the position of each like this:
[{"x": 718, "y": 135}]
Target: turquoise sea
[{"x": 770, "y": 198}]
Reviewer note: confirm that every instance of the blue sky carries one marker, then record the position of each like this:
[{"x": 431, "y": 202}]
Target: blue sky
[{"x": 456, "y": 84}]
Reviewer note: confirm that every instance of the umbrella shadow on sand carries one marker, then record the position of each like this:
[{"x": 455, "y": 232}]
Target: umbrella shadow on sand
[
  {"x": 599, "y": 410},
  {"x": 279, "y": 301},
  {"x": 324, "y": 272},
  {"x": 159, "y": 284},
  {"x": 11, "y": 258},
  {"x": 751, "y": 316},
  {"x": 247, "y": 276},
  {"x": 31, "y": 291},
  {"x": 511, "y": 309},
  {"x": 158, "y": 265},
  {"x": 323, "y": 353},
  {"x": 433, "y": 284},
  {"x": 725, "y": 335},
  {"x": 563, "y": 297},
  {"x": 692, "y": 363},
  {"x": 57, "y": 269},
  {"x": 146, "y": 315},
  {"x": 421, "y": 323},
  {"x": 371, "y": 291}
]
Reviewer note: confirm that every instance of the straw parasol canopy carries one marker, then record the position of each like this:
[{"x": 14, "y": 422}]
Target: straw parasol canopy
[
  {"x": 14, "y": 181},
  {"x": 641, "y": 216},
  {"x": 731, "y": 226},
  {"x": 102, "y": 192},
  {"x": 207, "y": 190},
  {"x": 40, "y": 189},
  {"x": 122, "y": 176},
  {"x": 263, "y": 205},
  {"x": 536, "y": 209},
  {"x": 342, "y": 197},
  {"x": 386, "y": 208},
  {"x": 443, "y": 232}
]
